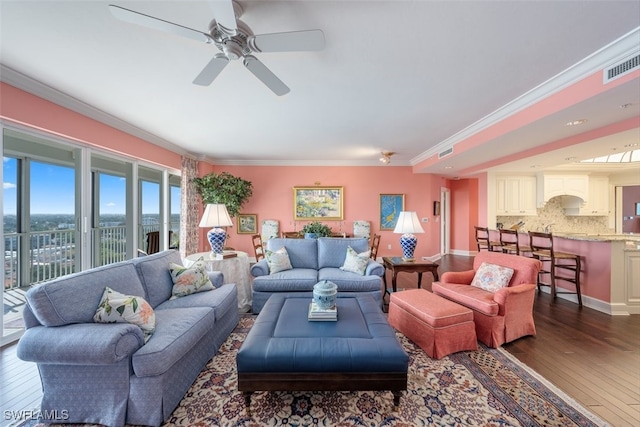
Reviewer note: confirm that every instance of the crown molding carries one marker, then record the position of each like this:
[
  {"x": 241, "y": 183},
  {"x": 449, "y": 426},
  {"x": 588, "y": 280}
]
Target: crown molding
[
  {"x": 623, "y": 47},
  {"x": 326, "y": 163}
]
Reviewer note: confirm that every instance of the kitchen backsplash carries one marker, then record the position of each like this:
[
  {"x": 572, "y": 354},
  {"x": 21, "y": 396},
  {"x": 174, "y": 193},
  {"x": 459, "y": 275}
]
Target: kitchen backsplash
[{"x": 553, "y": 213}]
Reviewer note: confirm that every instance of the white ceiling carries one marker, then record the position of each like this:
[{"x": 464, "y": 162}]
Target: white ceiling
[{"x": 403, "y": 76}]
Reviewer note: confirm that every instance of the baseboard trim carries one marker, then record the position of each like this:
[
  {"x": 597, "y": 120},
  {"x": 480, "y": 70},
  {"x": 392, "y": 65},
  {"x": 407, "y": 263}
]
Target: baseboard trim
[{"x": 618, "y": 309}]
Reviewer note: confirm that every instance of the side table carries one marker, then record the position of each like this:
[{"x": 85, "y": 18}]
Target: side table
[
  {"x": 235, "y": 270},
  {"x": 398, "y": 265}
]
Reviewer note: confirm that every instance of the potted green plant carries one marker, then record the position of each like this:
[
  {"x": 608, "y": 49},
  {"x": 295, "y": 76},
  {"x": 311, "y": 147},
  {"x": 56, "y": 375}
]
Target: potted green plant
[
  {"x": 225, "y": 189},
  {"x": 316, "y": 229}
]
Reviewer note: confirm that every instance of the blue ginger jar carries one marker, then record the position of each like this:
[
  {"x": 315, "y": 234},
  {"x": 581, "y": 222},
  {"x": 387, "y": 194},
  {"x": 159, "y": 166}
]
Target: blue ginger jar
[{"x": 324, "y": 294}]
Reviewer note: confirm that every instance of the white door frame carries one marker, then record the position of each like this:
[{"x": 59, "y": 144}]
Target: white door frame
[{"x": 445, "y": 216}]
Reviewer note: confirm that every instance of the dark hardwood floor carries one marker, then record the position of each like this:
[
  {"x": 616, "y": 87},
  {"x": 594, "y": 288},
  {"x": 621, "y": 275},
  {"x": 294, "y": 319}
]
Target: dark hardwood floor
[{"x": 591, "y": 356}]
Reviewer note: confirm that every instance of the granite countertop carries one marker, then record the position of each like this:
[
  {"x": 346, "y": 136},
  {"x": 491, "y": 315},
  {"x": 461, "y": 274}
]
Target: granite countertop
[
  {"x": 595, "y": 237},
  {"x": 599, "y": 237}
]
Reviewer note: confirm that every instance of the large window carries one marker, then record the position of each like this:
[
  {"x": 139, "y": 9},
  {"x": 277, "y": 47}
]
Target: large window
[
  {"x": 68, "y": 207},
  {"x": 109, "y": 218},
  {"x": 10, "y": 223},
  {"x": 51, "y": 233}
]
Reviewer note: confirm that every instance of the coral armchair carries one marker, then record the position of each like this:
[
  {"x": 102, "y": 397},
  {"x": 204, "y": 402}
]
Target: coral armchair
[{"x": 501, "y": 316}]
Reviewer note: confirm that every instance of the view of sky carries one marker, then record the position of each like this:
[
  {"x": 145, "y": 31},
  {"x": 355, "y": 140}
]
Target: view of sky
[{"x": 52, "y": 191}]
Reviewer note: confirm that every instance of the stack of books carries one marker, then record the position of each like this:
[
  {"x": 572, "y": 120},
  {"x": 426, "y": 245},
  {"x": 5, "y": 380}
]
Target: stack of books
[{"x": 316, "y": 314}]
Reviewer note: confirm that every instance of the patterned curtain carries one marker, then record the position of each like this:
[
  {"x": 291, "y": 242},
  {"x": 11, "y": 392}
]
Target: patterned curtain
[{"x": 189, "y": 208}]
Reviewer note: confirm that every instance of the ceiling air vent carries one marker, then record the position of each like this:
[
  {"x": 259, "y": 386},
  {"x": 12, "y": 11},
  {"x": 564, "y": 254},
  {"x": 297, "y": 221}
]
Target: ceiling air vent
[
  {"x": 445, "y": 153},
  {"x": 621, "y": 68}
]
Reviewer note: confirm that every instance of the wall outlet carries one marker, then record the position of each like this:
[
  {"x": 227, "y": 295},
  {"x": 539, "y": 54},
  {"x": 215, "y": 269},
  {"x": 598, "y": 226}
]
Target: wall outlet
[
  {"x": 425, "y": 219},
  {"x": 388, "y": 246}
]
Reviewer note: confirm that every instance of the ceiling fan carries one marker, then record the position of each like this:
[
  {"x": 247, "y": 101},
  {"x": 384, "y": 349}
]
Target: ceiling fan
[{"x": 234, "y": 39}]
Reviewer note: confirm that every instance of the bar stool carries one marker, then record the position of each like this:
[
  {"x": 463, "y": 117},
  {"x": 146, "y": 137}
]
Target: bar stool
[
  {"x": 484, "y": 242},
  {"x": 542, "y": 248},
  {"x": 510, "y": 244}
]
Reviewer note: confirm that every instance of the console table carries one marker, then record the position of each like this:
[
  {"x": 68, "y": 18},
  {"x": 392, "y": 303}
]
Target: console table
[
  {"x": 398, "y": 265},
  {"x": 235, "y": 270}
]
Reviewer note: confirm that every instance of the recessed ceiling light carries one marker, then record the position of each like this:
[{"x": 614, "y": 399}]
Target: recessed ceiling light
[
  {"x": 576, "y": 122},
  {"x": 448, "y": 167}
]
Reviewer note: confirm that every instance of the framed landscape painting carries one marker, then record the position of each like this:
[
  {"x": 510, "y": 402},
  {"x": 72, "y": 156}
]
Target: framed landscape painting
[
  {"x": 318, "y": 203},
  {"x": 247, "y": 224},
  {"x": 390, "y": 207}
]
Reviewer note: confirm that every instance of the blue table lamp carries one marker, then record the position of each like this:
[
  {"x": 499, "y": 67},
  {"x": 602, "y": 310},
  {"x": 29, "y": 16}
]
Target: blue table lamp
[
  {"x": 216, "y": 216},
  {"x": 408, "y": 223}
]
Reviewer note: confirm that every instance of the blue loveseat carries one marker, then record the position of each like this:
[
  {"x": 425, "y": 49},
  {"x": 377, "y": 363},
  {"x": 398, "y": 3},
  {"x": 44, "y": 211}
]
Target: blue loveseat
[
  {"x": 314, "y": 260},
  {"x": 104, "y": 373}
]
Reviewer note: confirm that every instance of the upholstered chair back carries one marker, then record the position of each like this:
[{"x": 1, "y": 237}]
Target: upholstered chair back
[{"x": 525, "y": 270}]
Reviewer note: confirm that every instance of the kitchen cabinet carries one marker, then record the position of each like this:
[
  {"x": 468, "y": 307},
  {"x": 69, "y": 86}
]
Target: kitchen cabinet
[
  {"x": 597, "y": 203},
  {"x": 516, "y": 195}
]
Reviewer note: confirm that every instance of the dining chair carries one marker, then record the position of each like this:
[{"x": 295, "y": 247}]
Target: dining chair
[{"x": 375, "y": 243}]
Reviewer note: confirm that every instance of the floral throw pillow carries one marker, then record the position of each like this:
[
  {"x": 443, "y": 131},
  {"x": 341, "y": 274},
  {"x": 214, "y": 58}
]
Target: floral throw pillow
[
  {"x": 356, "y": 262},
  {"x": 189, "y": 280},
  {"x": 278, "y": 260},
  {"x": 115, "y": 307},
  {"x": 491, "y": 277}
]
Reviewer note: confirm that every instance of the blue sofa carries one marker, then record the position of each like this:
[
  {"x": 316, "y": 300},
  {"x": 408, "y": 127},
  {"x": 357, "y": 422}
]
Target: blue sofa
[
  {"x": 104, "y": 373},
  {"x": 314, "y": 260}
]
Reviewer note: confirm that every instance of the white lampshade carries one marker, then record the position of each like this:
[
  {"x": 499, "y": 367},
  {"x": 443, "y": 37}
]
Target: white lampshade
[
  {"x": 215, "y": 215},
  {"x": 408, "y": 222}
]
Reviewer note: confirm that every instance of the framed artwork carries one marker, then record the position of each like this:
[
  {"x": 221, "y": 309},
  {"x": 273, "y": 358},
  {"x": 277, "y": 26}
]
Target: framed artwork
[
  {"x": 390, "y": 207},
  {"x": 318, "y": 203},
  {"x": 247, "y": 224}
]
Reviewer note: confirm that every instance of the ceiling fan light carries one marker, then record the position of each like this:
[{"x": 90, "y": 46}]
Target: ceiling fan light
[{"x": 386, "y": 157}]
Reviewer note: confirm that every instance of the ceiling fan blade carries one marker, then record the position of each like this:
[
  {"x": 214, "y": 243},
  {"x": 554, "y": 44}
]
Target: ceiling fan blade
[
  {"x": 211, "y": 70},
  {"x": 265, "y": 75},
  {"x": 138, "y": 18},
  {"x": 225, "y": 16},
  {"x": 293, "y": 41}
]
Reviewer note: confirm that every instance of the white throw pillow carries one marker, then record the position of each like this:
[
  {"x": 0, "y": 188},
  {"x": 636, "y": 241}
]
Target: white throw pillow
[
  {"x": 356, "y": 262},
  {"x": 278, "y": 260},
  {"x": 491, "y": 277},
  {"x": 115, "y": 307},
  {"x": 187, "y": 281}
]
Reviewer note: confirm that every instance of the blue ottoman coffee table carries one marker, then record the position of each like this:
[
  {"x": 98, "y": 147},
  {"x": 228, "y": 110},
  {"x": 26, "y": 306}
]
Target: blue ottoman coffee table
[{"x": 284, "y": 351}]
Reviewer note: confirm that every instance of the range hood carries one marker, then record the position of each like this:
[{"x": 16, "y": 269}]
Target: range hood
[
  {"x": 551, "y": 185},
  {"x": 571, "y": 203}
]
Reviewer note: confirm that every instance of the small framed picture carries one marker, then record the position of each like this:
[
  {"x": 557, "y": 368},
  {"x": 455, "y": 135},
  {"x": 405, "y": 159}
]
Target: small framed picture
[{"x": 247, "y": 224}]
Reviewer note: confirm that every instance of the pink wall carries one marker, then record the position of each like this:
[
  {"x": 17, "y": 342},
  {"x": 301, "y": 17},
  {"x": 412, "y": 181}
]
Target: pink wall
[
  {"x": 464, "y": 213},
  {"x": 20, "y": 107},
  {"x": 273, "y": 199}
]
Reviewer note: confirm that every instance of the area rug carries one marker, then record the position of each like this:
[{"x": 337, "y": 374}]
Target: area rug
[{"x": 487, "y": 387}]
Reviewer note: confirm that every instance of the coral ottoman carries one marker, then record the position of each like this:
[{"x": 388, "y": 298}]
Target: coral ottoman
[{"x": 439, "y": 326}]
